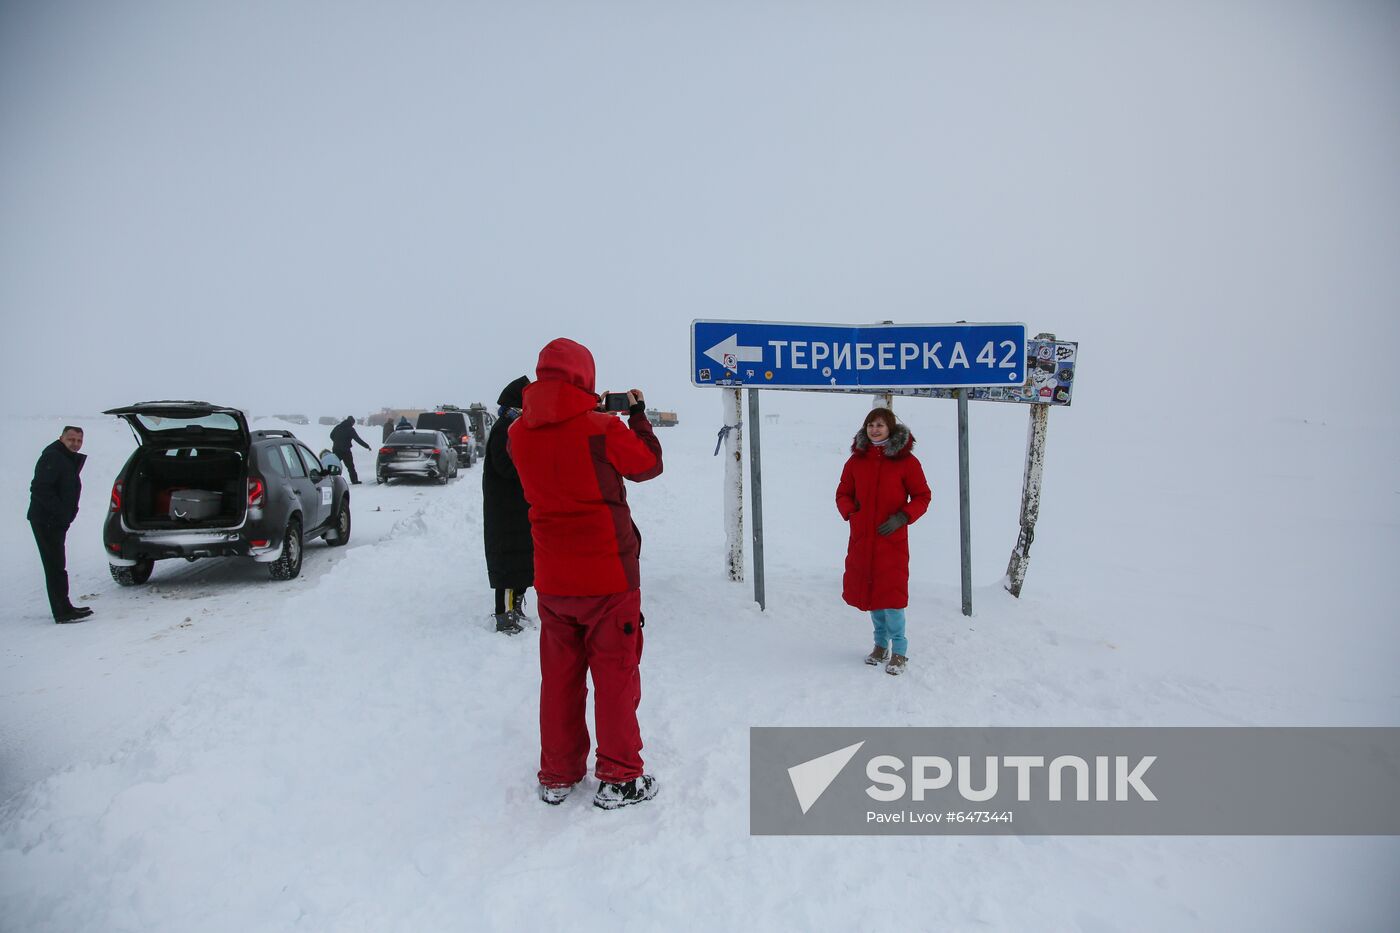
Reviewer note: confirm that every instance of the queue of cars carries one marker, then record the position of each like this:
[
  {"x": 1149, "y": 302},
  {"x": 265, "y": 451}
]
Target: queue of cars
[{"x": 201, "y": 484}]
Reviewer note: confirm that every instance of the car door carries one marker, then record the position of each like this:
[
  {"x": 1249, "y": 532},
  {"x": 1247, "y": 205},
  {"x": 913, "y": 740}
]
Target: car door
[
  {"x": 323, "y": 484},
  {"x": 302, "y": 488},
  {"x": 450, "y": 458}
]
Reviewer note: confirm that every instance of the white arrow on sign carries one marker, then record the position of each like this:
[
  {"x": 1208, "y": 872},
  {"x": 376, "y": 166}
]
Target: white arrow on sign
[{"x": 729, "y": 354}]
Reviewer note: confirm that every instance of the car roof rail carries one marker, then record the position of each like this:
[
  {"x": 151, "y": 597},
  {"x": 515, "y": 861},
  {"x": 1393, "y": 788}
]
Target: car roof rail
[{"x": 273, "y": 432}]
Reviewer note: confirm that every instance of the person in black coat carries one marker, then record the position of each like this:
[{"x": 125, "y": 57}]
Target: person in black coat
[
  {"x": 510, "y": 551},
  {"x": 53, "y": 504},
  {"x": 341, "y": 437}
]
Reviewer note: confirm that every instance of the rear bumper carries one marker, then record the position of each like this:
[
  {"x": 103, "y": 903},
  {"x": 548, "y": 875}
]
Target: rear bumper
[
  {"x": 409, "y": 468},
  {"x": 163, "y": 545},
  {"x": 125, "y": 546}
]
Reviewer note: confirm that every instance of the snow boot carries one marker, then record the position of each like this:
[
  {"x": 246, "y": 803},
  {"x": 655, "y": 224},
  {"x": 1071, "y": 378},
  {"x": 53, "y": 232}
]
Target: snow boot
[
  {"x": 876, "y": 656},
  {"x": 554, "y": 796},
  {"x": 896, "y": 665},
  {"x": 613, "y": 796},
  {"x": 506, "y": 623}
]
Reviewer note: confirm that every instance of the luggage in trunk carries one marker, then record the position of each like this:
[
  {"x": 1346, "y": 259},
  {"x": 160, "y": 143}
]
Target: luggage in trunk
[{"x": 194, "y": 505}]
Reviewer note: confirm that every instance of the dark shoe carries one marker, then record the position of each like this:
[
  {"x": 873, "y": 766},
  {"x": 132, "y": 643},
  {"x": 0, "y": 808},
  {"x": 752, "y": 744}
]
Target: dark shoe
[
  {"x": 896, "y": 665},
  {"x": 554, "y": 796},
  {"x": 354, "y": 482},
  {"x": 81, "y": 612},
  {"x": 613, "y": 796},
  {"x": 878, "y": 655},
  {"x": 507, "y": 622},
  {"x": 66, "y": 617}
]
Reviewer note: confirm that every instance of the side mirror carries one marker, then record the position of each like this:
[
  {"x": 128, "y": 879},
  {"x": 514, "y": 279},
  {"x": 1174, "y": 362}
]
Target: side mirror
[
  {"x": 333, "y": 470},
  {"x": 316, "y": 476}
]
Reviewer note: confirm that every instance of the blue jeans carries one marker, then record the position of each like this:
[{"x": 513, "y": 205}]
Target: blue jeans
[{"x": 889, "y": 627}]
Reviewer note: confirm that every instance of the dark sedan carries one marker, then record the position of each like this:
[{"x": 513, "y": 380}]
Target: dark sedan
[{"x": 421, "y": 454}]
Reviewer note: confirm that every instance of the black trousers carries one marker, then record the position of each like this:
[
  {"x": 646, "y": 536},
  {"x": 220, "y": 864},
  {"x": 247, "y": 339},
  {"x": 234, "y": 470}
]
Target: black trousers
[
  {"x": 53, "y": 552},
  {"x": 347, "y": 460}
]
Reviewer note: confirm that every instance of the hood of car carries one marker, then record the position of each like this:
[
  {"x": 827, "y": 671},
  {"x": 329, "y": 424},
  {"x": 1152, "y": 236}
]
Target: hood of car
[{"x": 186, "y": 424}]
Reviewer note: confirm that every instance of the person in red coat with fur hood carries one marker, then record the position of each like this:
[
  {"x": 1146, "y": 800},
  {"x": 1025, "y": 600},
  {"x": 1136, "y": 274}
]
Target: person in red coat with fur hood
[
  {"x": 572, "y": 459},
  {"x": 882, "y": 491}
]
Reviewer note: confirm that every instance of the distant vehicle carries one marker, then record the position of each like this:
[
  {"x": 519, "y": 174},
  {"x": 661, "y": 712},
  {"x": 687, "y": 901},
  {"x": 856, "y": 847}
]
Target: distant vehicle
[
  {"x": 421, "y": 454},
  {"x": 482, "y": 420},
  {"x": 452, "y": 421},
  {"x": 663, "y": 419},
  {"x": 328, "y": 419},
  {"x": 293, "y": 419},
  {"x": 200, "y": 484}
]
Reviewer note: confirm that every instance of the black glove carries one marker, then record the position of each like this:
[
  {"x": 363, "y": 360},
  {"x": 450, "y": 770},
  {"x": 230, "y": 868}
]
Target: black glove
[{"x": 892, "y": 524}]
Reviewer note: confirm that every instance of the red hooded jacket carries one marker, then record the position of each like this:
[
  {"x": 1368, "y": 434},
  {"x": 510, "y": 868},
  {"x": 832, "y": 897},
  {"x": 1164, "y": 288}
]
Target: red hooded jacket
[
  {"x": 572, "y": 460},
  {"x": 876, "y": 483}
]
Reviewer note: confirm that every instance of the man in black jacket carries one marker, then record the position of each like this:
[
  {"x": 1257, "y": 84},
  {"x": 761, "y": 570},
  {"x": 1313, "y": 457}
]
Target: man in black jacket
[
  {"x": 341, "y": 437},
  {"x": 53, "y": 504}
]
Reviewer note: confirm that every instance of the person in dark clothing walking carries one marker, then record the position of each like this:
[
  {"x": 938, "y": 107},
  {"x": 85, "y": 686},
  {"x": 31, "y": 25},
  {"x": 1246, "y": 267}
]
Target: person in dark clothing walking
[
  {"x": 53, "y": 504},
  {"x": 388, "y": 427},
  {"x": 341, "y": 437},
  {"x": 510, "y": 552}
]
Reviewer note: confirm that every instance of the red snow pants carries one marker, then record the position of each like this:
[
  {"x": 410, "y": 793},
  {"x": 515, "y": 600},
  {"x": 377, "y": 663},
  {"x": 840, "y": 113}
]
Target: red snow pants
[{"x": 602, "y": 636}]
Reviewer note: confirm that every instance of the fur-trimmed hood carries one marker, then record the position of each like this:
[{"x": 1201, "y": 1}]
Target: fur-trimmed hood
[{"x": 901, "y": 442}]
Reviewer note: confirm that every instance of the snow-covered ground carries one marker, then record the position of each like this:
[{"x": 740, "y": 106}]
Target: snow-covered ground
[{"x": 355, "y": 750}]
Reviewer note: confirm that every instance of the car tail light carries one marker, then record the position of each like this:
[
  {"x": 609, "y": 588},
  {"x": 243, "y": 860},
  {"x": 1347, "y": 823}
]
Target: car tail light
[
  {"x": 437, "y": 450},
  {"x": 386, "y": 450},
  {"x": 257, "y": 493},
  {"x": 117, "y": 496},
  {"x": 114, "y": 548},
  {"x": 466, "y": 438},
  {"x": 258, "y": 542}
]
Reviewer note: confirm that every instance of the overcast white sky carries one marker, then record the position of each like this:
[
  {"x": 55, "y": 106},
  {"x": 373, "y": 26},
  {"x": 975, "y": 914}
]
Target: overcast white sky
[{"x": 329, "y": 207}]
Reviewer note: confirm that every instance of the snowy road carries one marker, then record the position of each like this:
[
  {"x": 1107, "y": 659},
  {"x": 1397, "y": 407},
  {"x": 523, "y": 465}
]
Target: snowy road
[{"x": 354, "y": 751}]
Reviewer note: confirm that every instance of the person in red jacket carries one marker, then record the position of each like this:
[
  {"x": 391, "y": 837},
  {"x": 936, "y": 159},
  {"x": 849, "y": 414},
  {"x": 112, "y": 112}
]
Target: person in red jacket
[
  {"x": 572, "y": 459},
  {"x": 882, "y": 491}
]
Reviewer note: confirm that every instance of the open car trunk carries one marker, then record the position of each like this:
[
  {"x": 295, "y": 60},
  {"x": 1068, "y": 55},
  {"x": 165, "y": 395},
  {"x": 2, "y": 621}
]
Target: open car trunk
[{"x": 186, "y": 487}]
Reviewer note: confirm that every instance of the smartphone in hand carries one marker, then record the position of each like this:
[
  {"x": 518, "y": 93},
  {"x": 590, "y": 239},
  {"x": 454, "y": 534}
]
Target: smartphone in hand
[{"x": 614, "y": 402}]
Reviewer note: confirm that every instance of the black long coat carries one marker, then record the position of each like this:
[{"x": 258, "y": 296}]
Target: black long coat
[
  {"x": 54, "y": 493},
  {"x": 510, "y": 551}
]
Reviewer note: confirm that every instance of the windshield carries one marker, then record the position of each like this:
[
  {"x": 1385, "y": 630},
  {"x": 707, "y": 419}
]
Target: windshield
[
  {"x": 216, "y": 421},
  {"x": 413, "y": 437},
  {"x": 452, "y": 424}
]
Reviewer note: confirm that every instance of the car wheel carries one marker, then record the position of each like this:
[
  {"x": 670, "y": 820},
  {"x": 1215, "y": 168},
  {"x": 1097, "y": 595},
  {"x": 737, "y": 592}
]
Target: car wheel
[
  {"x": 380, "y": 479},
  {"x": 132, "y": 576},
  {"x": 340, "y": 535},
  {"x": 288, "y": 565}
]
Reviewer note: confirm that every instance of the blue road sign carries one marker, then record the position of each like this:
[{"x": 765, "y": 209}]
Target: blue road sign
[{"x": 776, "y": 355}]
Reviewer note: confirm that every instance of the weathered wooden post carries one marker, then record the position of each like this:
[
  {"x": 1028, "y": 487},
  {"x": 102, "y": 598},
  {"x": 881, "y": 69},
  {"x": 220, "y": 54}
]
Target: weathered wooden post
[
  {"x": 1030, "y": 494},
  {"x": 731, "y": 435},
  {"x": 1030, "y": 499}
]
